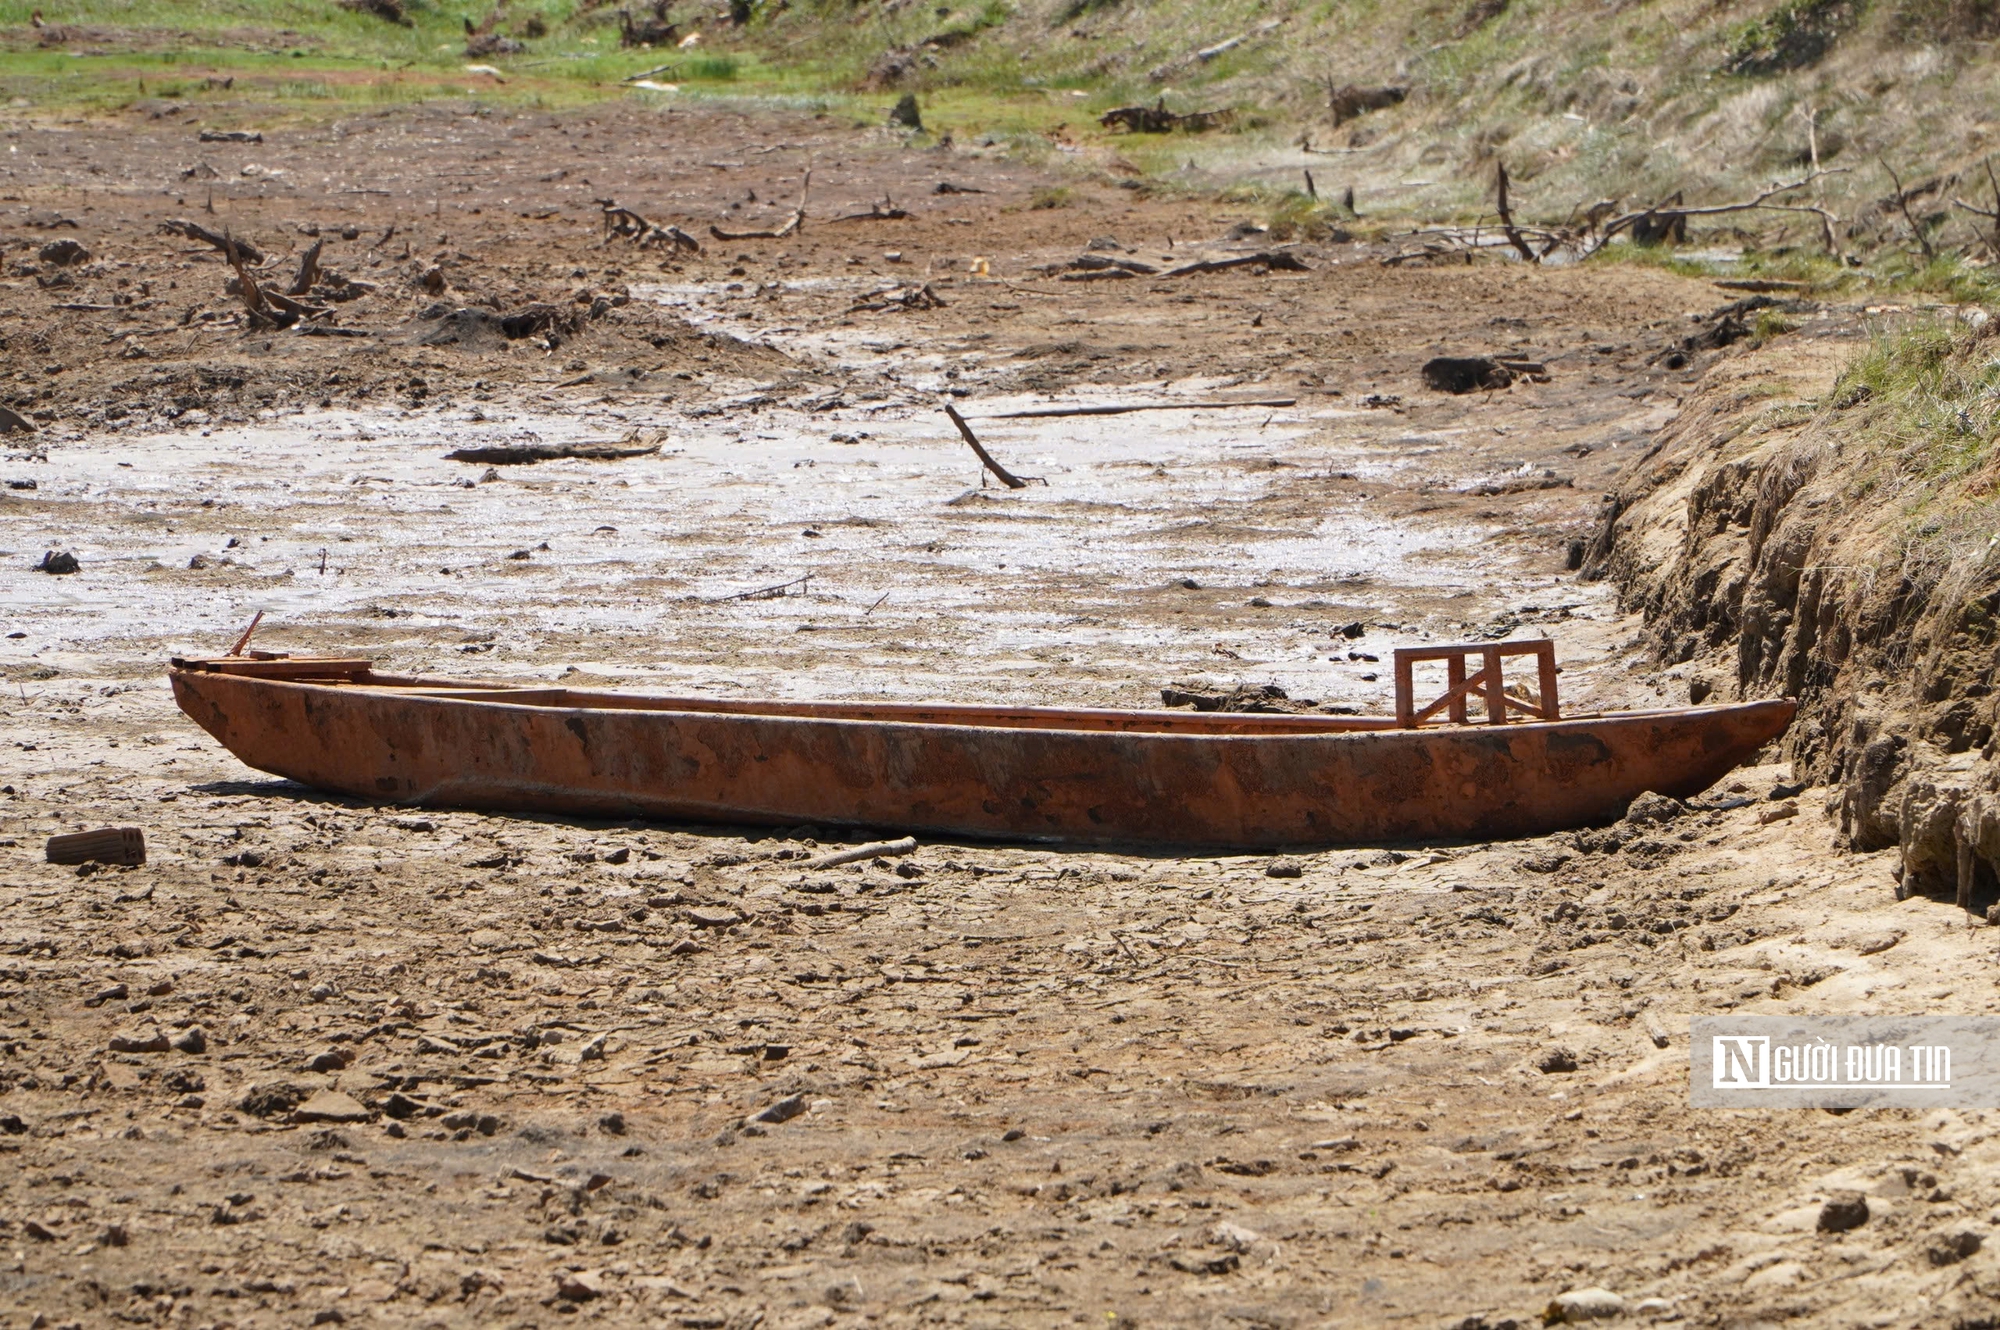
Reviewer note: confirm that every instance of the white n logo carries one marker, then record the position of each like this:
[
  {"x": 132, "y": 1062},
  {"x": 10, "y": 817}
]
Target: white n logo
[{"x": 1741, "y": 1062}]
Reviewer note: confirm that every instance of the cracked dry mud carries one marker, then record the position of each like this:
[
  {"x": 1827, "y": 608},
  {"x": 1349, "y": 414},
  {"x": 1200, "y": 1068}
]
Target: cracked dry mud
[{"x": 456, "y": 1069}]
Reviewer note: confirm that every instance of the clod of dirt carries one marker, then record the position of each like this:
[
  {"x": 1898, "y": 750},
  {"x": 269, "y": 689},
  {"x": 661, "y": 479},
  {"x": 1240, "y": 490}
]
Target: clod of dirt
[
  {"x": 58, "y": 562},
  {"x": 1583, "y": 1304},
  {"x": 390, "y": 10},
  {"x": 265, "y": 1101},
  {"x": 480, "y": 330},
  {"x": 1950, "y": 1249},
  {"x": 1557, "y": 1061},
  {"x": 1466, "y": 374},
  {"x": 1844, "y": 1211},
  {"x": 1267, "y": 699},
  {"x": 523, "y": 453},
  {"x": 1651, "y": 807},
  {"x": 892, "y": 67},
  {"x": 63, "y": 253}
]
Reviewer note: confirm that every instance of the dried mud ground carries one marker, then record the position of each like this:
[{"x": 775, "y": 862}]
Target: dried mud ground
[{"x": 466, "y": 1070}]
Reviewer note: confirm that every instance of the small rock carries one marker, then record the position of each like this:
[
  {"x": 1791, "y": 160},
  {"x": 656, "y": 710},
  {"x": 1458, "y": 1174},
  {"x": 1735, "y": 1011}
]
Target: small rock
[
  {"x": 58, "y": 562},
  {"x": 155, "y": 1042},
  {"x": 708, "y": 917},
  {"x": 1652, "y": 1307},
  {"x": 1583, "y": 1304},
  {"x": 1284, "y": 867},
  {"x": 1846, "y": 1210},
  {"x": 332, "y": 1106},
  {"x": 612, "y": 1124},
  {"x": 115, "y": 993},
  {"x": 63, "y": 253},
  {"x": 579, "y": 1286},
  {"x": 784, "y": 1110},
  {"x": 1778, "y": 813},
  {"x": 1557, "y": 1060},
  {"x": 194, "y": 1039},
  {"x": 623, "y": 854},
  {"x": 115, "y": 1236},
  {"x": 1234, "y": 1236}
]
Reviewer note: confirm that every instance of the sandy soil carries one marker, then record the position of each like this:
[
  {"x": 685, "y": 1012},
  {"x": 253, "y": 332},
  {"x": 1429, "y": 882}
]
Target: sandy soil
[{"x": 1037, "y": 1087}]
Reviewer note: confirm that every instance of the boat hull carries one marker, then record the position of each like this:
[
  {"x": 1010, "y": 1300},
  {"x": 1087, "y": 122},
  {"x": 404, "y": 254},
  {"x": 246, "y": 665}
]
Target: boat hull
[{"x": 1246, "y": 782}]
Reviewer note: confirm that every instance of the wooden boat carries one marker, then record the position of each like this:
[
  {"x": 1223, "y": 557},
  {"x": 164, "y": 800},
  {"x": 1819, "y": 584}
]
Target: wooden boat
[{"x": 1156, "y": 778}]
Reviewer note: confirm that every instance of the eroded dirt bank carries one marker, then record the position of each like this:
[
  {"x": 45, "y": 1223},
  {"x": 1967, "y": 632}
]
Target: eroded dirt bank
[{"x": 1431, "y": 1084}]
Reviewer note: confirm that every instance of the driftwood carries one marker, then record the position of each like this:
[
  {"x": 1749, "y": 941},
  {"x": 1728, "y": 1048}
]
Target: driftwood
[
  {"x": 522, "y": 454},
  {"x": 1507, "y": 226},
  {"x": 1006, "y": 477},
  {"x": 1157, "y": 119},
  {"x": 792, "y": 223},
  {"x": 308, "y": 270},
  {"x": 946, "y": 187},
  {"x": 885, "y": 211},
  {"x": 777, "y": 592},
  {"x": 1103, "y": 265},
  {"x": 1125, "y": 408},
  {"x": 1270, "y": 259},
  {"x": 898, "y": 297},
  {"x": 224, "y": 244},
  {"x": 645, "y": 234},
  {"x": 881, "y": 849}
]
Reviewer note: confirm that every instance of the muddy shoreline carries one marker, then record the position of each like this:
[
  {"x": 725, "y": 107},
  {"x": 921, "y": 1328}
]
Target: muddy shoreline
[{"x": 1020, "y": 1085}]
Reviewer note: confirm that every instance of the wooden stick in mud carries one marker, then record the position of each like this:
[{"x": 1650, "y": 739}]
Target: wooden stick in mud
[
  {"x": 881, "y": 849},
  {"x": 1124, "y": 408},
  {"x": 226, "y": 243},
  {"x": 1007, "y": 478},
  {"x": 308, "y": 271}
]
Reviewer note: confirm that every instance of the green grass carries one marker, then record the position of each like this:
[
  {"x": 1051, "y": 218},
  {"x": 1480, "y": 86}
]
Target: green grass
[{"x": 1926, "y": 400}]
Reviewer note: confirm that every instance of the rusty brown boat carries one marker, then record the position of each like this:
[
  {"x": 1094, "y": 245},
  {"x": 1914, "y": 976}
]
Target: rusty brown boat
[{"x": 1170, "y": 779}]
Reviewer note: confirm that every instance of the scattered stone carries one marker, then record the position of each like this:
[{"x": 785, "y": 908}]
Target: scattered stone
[
  {"x": 1284, "y": 866},
  {"x": 1779, "y": 813},
  {"x": 1583, "y": 1304},
  {"x": 156, "y": 1042},
  {"x": 332, "y": 1106},
  {"x": 713, "y": 917},
  {"x": 783, "y": 1111},
  {"x": 579, "y": 1286},
  {"x": 1557, "y": 1061},
  {"x": 194, "y": 1039},
  {"x": 1234, "y": 1236},
  {"x": 58, "y": 562},
  {"x": 63, "y": 253},
  {"x": 115, "y": 993},
  {"x": 905, "y": 112},
  {"x": 1846, "y": 1210},
  {"x": 612, "y": 1124},
  {"x": 265, "y": 1101}
]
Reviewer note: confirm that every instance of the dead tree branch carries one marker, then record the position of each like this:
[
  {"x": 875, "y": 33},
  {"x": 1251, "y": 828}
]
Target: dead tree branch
[
  {"x": 1902, "y": 202},
  {"x": 1006, "y": 477},
  {"x": 1507, "y": 226}
]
